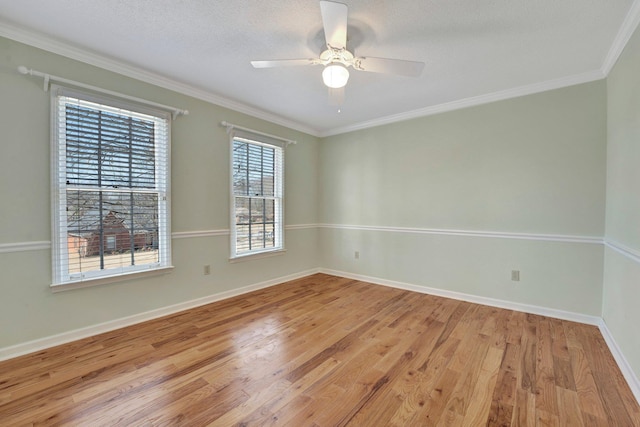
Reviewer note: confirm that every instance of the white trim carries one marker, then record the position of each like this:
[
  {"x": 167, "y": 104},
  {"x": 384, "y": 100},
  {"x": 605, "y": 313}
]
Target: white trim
[
  {"x": 45, "y": 244},
  {"x": 33, "y": 246},
  {"x": 41, "y": 41},
  {"x": 628, "y": 252},
  {"x": 509, "y": 305},
  {"x": 516, "y": 92},
  {"x": 627, "y": 29},
  {"x": 300, "y": 226},
  {"x": 24, "y": 246},
  {"x": 472, "y": 233},
  {"x": 623, "y": 364},
  {"x": 257, "y": 255},
  {"x": 199, "y": 233},
  {"x": 114, "y": 278},
  {"x": 66, "y": 337}
]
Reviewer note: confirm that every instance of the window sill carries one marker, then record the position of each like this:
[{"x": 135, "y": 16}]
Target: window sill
[
  {"x": 258, "y": 255},
  {"x": 87, "y": 283}
]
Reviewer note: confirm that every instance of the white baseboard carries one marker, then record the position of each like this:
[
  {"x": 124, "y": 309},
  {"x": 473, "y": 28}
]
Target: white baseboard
[
  {"x": 509, "y": 305},
  {"x": 66, "y": 337},
  {"x": 623, "y": 364}
]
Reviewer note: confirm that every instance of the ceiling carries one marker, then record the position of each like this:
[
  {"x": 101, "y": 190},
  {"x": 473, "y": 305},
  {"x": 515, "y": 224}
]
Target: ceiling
[{"x": 475, "y": 51}]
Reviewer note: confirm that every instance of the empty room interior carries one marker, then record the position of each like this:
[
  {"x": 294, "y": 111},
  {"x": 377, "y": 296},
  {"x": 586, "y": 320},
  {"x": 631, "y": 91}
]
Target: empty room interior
[{"x": 320, "y": 213}]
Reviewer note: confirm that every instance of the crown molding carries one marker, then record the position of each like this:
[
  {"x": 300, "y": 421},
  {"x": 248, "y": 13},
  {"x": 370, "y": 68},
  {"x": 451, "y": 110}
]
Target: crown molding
[
  {"x": 43, "y": 42},
  {"x": 629, "y": 25},
  {"x": 576, "y": 79}
]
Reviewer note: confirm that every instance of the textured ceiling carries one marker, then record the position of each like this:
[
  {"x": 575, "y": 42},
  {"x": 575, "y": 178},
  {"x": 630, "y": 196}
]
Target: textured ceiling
[{"x": 472, "y": 48}]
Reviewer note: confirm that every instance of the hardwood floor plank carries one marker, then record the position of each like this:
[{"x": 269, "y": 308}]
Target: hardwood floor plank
[
  {"x": 569, "y": 407},
  {"x": 409, "y": 355},
  {"x": 274, "y": 404},
  {"x": 503, "y": 398},
  {"x": 545, "y": 385},
  {"x": 588, "y": 397},
  {"x": 601, "y": 364},
  {"x": 462, "y": 395},
  {"x": 524, "y": 411},
  {"x": 546, "y": 419},
  {"x": 510, "y": 358},
  {"x": 478, "y": 410},
  {"x": 563, "y": 373},
  {"x": 560, "y": 345},
  {"x": 527, "y": 373},
  {"x": 431, "y": 408},
  {"x": 450, "y": 419},
  {"x": 326, "y": 351},
  {"x": 428, "y": 386}
]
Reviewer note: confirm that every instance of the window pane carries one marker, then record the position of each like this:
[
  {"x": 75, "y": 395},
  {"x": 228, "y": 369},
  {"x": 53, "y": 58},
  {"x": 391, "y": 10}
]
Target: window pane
[
  {"x": 109, "y": 150},
  {"x": 240, "y": 177},
  {"x": 255, "y": 223},
  {"x": 254, "y": 169},
  {"x": 242, "y": 210},
  {"x": 109, "y": 229},
  {"x": 242, "y": 238}
]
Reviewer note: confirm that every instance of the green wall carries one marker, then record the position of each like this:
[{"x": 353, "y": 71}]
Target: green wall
[
  {"x": 200, "y": 202},
  {"x": 532, "y": 165},
  {"x": 622, "y": 267}
]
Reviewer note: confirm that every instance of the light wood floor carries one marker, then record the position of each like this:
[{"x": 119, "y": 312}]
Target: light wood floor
[{"x": 326, "y": 351}]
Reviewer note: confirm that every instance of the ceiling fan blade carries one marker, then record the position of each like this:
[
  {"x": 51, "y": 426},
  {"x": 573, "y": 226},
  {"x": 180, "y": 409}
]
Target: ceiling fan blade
[
  {"x": 283, "y": 63},
  {"x": 334, "y": 20},
  {"x": 389, "y": 66}
]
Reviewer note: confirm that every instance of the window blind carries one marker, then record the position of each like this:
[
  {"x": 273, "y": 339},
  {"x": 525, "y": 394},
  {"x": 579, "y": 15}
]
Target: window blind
[
  {"x": 257, "y": 194},
  {"x": 111, "y": 188}
]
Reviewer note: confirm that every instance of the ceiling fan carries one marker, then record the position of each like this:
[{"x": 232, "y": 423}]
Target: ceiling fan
[{"x": 336, "y": 59}]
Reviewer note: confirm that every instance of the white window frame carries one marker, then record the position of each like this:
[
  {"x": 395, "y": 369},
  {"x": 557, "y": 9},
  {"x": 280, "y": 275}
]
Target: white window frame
[
  {"x": 279, "y": 146},
  {"x": 62, "y": 278}
]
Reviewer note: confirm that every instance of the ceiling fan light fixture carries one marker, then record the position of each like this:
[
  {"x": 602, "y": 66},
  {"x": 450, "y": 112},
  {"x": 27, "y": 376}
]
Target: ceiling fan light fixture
[{"x": 335, "y": 75}]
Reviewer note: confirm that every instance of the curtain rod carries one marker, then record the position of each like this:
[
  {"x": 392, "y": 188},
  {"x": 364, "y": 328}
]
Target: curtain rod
[
  {"x": 175, "y": 112},
  {"x": 231, "y": 126}
]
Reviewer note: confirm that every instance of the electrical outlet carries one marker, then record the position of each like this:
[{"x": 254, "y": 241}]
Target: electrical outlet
[
  {"x": 515, "y": 275},
  {"x": 356, "y": 254},
  {"x": 207, "y": 270}
]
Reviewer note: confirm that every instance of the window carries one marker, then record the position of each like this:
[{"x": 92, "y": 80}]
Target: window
[
  {"x": 111, "y": 243},
  {"x": 257, "y": 194},
  {"x": 110, "y": 187}
]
